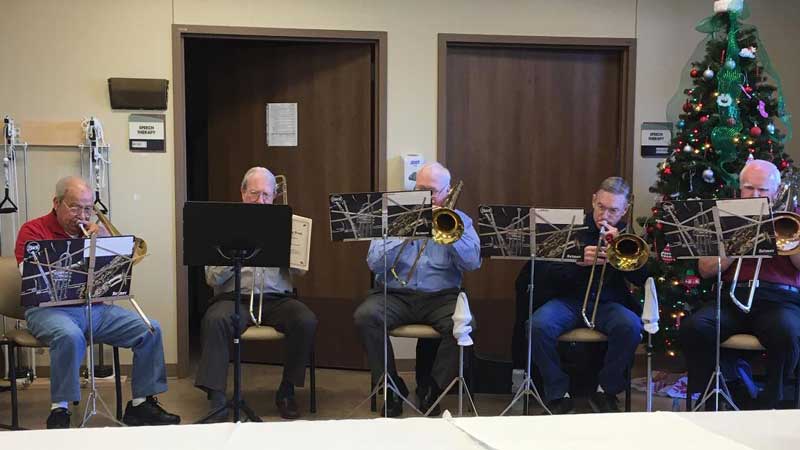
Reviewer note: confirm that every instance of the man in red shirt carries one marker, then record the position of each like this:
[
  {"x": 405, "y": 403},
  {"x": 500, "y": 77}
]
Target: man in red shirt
[
  {"x": 775, "y": 315},
  {"x": 64, "y": 328}
]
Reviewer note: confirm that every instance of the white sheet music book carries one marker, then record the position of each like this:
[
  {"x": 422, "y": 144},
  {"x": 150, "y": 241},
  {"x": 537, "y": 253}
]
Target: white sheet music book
[{"x": 300, "y": 252}]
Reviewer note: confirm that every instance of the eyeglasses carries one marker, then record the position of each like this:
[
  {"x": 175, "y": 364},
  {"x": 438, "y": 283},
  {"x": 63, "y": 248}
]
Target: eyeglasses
[
  {"x": 604, "y": 209},
  {"x": 87, "y": 211},
  {"x": 258, "y": 195}
]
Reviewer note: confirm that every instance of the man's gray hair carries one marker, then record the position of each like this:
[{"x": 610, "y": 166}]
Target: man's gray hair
[
  {"x": 773, "y": 174},
  {"x": 70, "y": 182},
  {"x": 261, "y": 170},
  {"x": 616, "y": 186},
  {"x": 440, "y": 171}
]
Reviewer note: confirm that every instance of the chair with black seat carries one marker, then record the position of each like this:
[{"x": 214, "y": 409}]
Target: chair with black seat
[
  {"x": 10, "y": 284},
  {"x": 592, "y": 336},
  {"x": 749, "y": 342},
  {"x": 265, "y": 333}
]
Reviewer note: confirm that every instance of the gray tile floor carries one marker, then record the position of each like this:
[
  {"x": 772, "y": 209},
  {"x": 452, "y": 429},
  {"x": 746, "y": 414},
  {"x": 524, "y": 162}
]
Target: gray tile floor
[{"x": 339, "y": 393}]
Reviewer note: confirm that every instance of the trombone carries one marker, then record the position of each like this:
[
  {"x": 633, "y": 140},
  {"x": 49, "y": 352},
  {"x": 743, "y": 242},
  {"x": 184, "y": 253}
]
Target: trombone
[
  {"x": 282, "y": 192},
  {"x": 787, "y": 243},
  {"x": 626, "y": 252},
  {"x": 447, "y": 228}
]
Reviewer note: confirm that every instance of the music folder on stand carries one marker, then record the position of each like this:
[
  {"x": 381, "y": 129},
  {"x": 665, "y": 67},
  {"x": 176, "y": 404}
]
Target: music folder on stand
[
  {"x": 532, "y": 234},
  {"x": 381, "y": 216},
  {"x": 235, "y": 235},
  {"x": 739, "y": 228},
  {"x": 80, "y": 272}
]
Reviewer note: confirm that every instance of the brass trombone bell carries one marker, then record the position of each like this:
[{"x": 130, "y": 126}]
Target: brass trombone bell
[
  {"x": 139, "y": 244},
  {"x": 787, "y": 233},
  {"x": 447, "y": 226},
  {"x": 628, "y": 252}
]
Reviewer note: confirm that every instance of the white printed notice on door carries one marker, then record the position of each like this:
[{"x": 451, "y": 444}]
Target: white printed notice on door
[{"x": 281, "y": 124}]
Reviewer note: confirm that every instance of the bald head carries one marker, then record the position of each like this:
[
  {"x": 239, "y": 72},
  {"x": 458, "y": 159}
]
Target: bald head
[
  {"x": 71, "y": 183},
  {"x": 759, "y": 178},
  {"x": 435, "y": 177}
]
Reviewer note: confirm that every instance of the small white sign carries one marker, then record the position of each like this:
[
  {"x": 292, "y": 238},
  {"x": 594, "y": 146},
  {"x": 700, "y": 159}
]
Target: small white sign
[
  {"x": 146, "y": 132},
  {"x": 281, "y": 124}
]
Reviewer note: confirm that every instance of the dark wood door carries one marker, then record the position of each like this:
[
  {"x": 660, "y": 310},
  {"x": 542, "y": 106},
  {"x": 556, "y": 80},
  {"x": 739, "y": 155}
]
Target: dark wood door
[
  {"x": 332, "y": 84},
  {"x": 527, "y": 126}
]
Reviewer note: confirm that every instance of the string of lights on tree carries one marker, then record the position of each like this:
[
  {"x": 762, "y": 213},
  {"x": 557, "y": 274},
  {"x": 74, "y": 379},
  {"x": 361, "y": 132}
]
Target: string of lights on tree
[{"x": 729, "y": 108}]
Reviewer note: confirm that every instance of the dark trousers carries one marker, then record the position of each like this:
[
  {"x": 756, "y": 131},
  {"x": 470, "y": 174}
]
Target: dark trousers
[
  {"x": 774, "y": 320},
  {"x": 288, "y": 315},
  {"x": 405, "y": 307},
  {"x": 558, "y": 316}
]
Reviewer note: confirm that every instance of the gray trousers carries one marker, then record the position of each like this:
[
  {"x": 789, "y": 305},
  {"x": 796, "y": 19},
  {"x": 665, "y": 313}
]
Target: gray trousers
[
  {"x": 288, "y": 315},
  {"x": 404, "y": 306}
]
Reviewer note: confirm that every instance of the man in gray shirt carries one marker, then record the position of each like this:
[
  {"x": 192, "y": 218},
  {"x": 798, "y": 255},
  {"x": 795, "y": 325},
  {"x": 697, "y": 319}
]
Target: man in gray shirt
[{"x": 280, "y": 309}]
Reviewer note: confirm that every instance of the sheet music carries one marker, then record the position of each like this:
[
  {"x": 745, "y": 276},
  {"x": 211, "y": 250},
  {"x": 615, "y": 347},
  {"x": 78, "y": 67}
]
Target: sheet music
[
  {"x": 556, "y": 233},
  {"x": 300, "y": 252},
  {"x": 746, "y": 226}
]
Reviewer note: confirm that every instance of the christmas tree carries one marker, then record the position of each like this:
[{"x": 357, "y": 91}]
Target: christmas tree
[{"x": 729, "y": 108}]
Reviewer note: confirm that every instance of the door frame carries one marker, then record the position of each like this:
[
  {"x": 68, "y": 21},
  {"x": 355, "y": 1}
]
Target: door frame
[
  {"x": 378, "y": 40},
  {"x": 626, "y": 46}
]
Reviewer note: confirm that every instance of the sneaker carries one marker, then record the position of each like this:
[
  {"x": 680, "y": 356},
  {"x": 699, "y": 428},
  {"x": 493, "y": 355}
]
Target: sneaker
[
  {"x": 58, "y": 418},
  {"x": 603, "y": 403},
  {"x": 148, "y": 413},
  {"x": 563, "y": 405}
]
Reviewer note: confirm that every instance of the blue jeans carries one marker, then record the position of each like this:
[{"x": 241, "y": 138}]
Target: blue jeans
[
  {"x": 558, "y": 316},
  {"x": 65, "y": 331}
]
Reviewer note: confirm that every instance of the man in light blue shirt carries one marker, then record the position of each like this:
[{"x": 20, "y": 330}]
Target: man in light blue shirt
[
  {"x": 424, "y": 293},
  {"x": 279, "y": 309}
]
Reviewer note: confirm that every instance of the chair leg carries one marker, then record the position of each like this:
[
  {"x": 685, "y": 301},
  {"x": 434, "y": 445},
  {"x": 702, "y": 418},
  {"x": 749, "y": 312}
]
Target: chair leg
[
  {"x": 313, "y": 381},
  {"x": 117, "y": 383},
  {"x": 797, "y": 387},
  {"x": 12, "y": 377},
  {"x": 628, "y": 389}
]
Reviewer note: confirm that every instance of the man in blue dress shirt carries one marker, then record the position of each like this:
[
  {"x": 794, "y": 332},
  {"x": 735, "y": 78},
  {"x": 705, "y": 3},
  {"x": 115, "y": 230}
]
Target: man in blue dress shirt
[{"x": 426, "y": 296}]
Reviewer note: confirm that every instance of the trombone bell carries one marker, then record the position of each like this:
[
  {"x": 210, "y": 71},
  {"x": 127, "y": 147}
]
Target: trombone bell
[
  {"x": 628, "y": 252},
  {"x": 447, "y": 226},
  {"x": 787, "y": 233}
]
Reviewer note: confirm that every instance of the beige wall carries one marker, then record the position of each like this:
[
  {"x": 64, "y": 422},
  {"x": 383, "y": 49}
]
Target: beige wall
[{"x": 61, "y": 54}]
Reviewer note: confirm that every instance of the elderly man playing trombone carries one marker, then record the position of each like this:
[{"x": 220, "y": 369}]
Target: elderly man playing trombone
[
  {"x": 775, "y": 315},
  {"x": 422, "y": 288},
  {"x": 279, "y": 309},
  {"x": 64, "y": 328},
  {"x": 615, "y": 314}
]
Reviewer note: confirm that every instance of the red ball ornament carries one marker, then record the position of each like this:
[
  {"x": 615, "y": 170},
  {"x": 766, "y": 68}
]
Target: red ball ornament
[
  {"x": 703, "y": 119},
  {"x": 694, "y": 73},
  {"x": 755, "y": 131},
  {"x": 751, "y": 150},
  {"x": 687, "y": 107},
  {"x": 691, "y": 281},
  {"x": 667, "y": 171},
  {"x": 748, "y": 89},
  {"x": 784, "y": 164},
  {"x": 731, "y": 121},
  {"x": 660, "y": 225}
]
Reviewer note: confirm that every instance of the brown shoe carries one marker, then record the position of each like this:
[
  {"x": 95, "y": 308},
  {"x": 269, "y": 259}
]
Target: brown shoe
[{"x": 287, "y": 407}]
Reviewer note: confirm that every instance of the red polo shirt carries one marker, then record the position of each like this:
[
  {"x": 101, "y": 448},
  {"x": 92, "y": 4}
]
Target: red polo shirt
[
  {"x": 45, "y": 227},
  {"x": 778, "y": 269}
]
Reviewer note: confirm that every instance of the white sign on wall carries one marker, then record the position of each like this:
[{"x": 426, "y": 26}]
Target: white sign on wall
[
  {"x": 146, "y": 132},
  {"x": 281, "y": 124}
]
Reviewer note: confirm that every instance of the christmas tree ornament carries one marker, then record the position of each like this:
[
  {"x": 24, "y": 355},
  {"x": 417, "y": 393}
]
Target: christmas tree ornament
[
  {"x": 749, "y": 158},
  {"x": 687, "y": 106},
  {"x": 748, "y": 52},
  {"x": 748, "y": 90},
  {"x": 784, "y": 164},
  {"x": 703, "y": 119},
  {"x": 762, "y": 109},
  {"x": 667, "y": 170},
  {"x": 755, "y": 131},
  {"x": 730, "y": 121},
  {"x": 694, "y": 73},
  {"x": 730, "y": 64},
  {"x": 708, "y": 74},
  {"x": 724, "y": 100},
  {"x": 666, "y": 254},
  {"x": 687, "y": 148},
  {"x": 751, "y": 150},
  {"x": 681, "y": 123},
  {"x": 708, "y": 176},
  {"x": 691, "y": 281},
  {"x": 728, "y": 6},
  {"x": 770, "y": 128}
]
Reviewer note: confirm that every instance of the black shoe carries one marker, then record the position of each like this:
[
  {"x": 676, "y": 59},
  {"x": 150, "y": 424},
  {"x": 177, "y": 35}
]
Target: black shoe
[
  {"x": 393, "y": 406},
  {"x": 433, "y": 394},
  {"x": 58, "y": 418},
  {"x": 603, "y": 403},
  {"x": 287, "y": 407},
  {"x": 563, "y": 405},
  {"x": 148, "y": 413}
]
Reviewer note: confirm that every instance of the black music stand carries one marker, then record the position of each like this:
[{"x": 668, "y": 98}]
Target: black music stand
[{"x": 232, "y": 234}]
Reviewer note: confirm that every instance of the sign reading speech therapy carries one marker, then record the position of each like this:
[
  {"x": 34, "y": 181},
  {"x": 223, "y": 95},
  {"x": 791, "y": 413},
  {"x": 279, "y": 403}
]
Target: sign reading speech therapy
[
  {"x": 656, "y": 139},
  {"x": 146, "y": 133}
]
